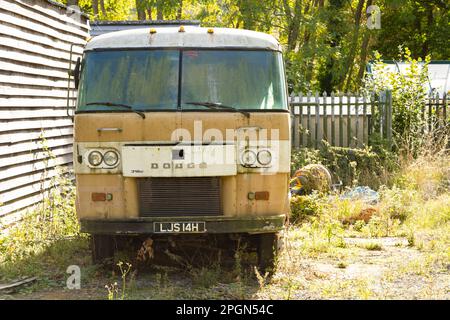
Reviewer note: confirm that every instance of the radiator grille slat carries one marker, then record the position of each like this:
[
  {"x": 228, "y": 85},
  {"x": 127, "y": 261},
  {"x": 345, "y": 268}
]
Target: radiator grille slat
[{"x": 179, "y": 196}]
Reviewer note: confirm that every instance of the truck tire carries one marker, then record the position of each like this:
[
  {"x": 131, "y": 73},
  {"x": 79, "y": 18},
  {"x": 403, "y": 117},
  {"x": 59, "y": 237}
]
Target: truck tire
[
  {"x": 102, "y": 247},
  {"x": 267, "y": 251}
]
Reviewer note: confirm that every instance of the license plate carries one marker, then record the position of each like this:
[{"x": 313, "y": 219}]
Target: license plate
[{"x": 179, "y": 227}]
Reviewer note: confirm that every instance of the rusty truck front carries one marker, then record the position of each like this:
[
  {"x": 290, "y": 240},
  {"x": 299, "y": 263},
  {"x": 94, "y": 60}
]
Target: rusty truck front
[{"x": 182, "y": 132}]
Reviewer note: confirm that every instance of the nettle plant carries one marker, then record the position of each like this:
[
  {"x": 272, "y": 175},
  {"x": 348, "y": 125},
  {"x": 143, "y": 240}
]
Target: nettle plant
[{"x": 409, "y": 97}]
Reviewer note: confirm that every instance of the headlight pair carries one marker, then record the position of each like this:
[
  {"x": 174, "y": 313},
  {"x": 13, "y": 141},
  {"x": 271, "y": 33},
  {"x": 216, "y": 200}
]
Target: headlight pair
[
  {"x": 110, "y": 158},
  {"x": 250, "y": 157}
]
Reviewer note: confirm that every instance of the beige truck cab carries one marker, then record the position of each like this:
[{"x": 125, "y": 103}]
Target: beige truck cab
[{"x": 182, "y": 132}]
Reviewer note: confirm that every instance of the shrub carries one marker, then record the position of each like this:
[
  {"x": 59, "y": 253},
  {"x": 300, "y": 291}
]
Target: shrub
[
  {"x": 367, "y": 166},
  {"x": 396, "y": 202},
  {"x": 306, "y": 206},
  {"x": 352, "y": 211},
  {"x": 409, "y": 95},
  {"x": 428, "y": 174},
  {"x": 373, "y": 246}
]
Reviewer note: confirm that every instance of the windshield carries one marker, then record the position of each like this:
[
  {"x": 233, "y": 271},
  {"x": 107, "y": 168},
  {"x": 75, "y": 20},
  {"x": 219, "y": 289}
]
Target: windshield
[
  {"x": 239, "y": 79},
  {"x": 153, "y": 80},
  {"x": 144, "y": 80}
]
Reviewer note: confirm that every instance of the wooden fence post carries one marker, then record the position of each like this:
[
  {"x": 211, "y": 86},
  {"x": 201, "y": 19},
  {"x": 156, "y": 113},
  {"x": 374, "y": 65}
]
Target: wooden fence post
[
  {"x": 333, "y": 138},
  {"x": 349, "y": 121},
  {"x": 423, "y": 118},
  {"x": 389, "y": 118},
  {"x": 325, "y": 118},
  {"x": 317, "y": 122},
  {"x": 300, "y": 120},
  {"x": 430, "y": 112},
  {"x": 381, "y": 111},
  {"x": 341, "y": 128},
  {"x": 444, "y": 107},
  {"x": 295, "y": 129},
  {"x": 308, "y": 106},
  {"x": 373, "y": 98},
  {"x": 356, "y": 120},
  {"x": 365, "y": 136},
  {"x": 436, "y": 113}
]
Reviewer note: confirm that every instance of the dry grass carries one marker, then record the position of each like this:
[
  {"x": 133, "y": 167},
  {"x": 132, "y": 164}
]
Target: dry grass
[
  {"x": 333, "y": 252},
  {"x": 321, "y": 261}
]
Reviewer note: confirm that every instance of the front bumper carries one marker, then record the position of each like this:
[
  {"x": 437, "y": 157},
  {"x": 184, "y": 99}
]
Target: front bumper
[{"x": 214, "y": 225}]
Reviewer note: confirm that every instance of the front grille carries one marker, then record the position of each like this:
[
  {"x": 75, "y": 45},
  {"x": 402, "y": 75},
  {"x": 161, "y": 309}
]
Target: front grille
[{"x": 179, "y": 196}]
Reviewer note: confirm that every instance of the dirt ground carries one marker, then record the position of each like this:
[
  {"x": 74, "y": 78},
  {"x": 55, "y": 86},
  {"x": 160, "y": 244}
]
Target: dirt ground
[
  {"x": 392, "y": 272},
  {"x": 382, "y": 268}
]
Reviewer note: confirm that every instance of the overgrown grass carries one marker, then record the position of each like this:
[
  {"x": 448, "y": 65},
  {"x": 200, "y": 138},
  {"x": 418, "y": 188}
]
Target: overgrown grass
[
  {"x": 47, "y": 240},
  {"x": 415, "y": 206},
  {"x": 51, "y": 221},
  {"x": 320, "y": 232},
  {"x": 371, "y": 246}
]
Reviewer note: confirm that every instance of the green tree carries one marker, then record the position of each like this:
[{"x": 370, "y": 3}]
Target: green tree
[{"x": 327, "y": 43}]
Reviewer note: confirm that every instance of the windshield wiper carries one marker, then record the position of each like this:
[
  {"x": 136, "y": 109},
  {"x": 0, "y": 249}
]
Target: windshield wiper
[
  {"x": 216, "y": 105},
  {"x": 112, "y": 104}
]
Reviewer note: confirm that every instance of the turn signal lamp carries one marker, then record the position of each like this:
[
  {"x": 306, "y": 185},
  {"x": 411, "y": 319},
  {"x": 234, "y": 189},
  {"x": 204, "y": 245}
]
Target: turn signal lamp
[{"x": 101, "y": 196}]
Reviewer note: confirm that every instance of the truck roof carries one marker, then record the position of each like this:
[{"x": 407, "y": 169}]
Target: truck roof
[
  {"x": 102, "y": 26},
  {"x": 192, "y": 37}
]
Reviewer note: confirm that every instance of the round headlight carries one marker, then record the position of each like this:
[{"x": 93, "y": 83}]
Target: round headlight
[
  {"x": 264, "y": 157},
  {"x": 248, "y": 158},
  {"x": 111, "y": 158},
  {"x": 95, "y": 158}
]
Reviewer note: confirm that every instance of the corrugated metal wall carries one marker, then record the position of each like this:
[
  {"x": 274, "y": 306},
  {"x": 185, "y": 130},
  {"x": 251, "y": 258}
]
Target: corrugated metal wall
[{"x": 35, "y": 41}]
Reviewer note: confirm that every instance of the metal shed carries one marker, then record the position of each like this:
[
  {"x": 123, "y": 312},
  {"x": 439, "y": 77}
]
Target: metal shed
[
  {"x": 101, "y": 27},
  {"x": 438, "y": 74}
]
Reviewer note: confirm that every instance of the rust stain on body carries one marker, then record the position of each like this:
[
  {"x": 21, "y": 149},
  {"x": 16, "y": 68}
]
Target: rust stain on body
[{"x": 159, "y": 126}]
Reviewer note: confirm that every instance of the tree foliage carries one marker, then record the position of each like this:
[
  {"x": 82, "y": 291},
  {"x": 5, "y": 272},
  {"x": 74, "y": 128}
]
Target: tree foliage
[{"x": 327, "y": 42}]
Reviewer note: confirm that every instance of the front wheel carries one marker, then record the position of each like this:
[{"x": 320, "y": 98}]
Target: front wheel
[
  {"x": 102, "y": 247},
  {"x": 268, "y": 247}
]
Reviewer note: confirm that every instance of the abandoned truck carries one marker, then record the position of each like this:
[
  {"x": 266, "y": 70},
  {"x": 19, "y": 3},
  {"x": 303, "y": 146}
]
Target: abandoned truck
[{"x": 182, "y": 132}]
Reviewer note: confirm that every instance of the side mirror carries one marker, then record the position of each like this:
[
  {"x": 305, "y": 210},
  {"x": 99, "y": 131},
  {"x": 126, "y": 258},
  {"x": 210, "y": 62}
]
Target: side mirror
[{"x": 76, "y": 71}]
